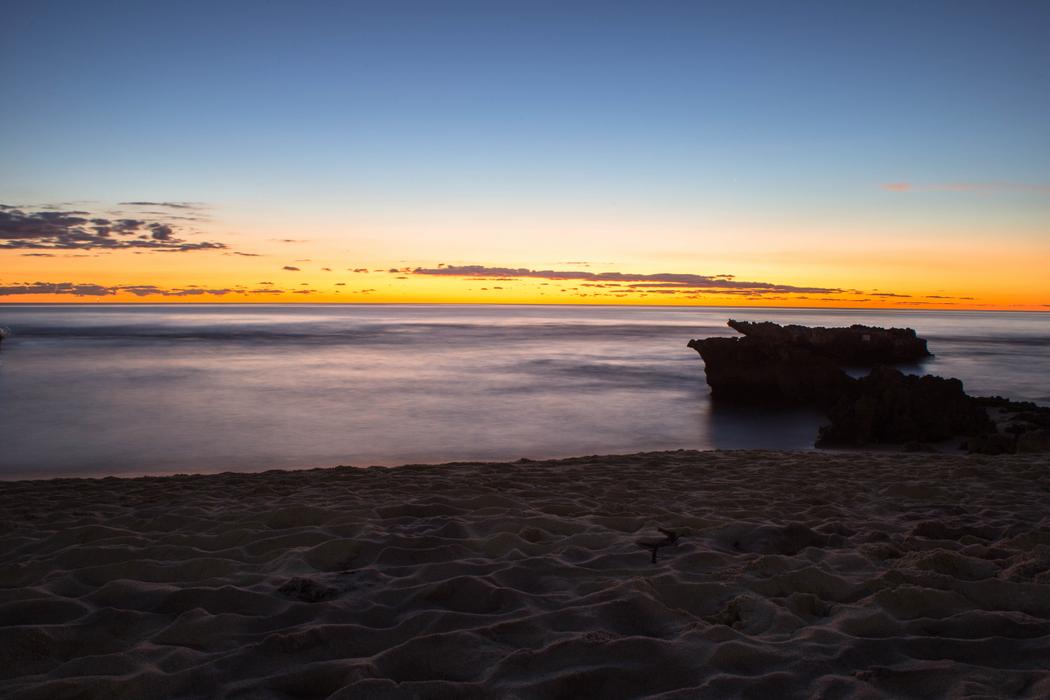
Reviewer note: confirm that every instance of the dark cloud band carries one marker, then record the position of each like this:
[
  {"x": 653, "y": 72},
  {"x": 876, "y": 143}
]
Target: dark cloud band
[
  {"x": 666, "y": 280},
  {"x": 139, "y": 290},
  {"x": 80, "y": 230}
]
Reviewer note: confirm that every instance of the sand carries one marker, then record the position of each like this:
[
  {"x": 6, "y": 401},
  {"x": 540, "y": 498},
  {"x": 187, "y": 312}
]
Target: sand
[{"x": 796, "y": 575}]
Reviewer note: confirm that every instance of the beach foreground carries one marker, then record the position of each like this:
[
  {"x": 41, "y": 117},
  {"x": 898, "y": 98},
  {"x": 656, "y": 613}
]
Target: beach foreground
[{"x": 797, "y": 574}]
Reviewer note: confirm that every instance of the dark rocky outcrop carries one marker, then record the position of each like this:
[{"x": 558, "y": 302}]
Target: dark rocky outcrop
[
  {"x": 888, "y": 406},
  {"x": 855, "y": 345},
  {"x": 796, "y": 365},
  {"x": 1021, "y": 426},
  {"x": 749, "y": 370}
]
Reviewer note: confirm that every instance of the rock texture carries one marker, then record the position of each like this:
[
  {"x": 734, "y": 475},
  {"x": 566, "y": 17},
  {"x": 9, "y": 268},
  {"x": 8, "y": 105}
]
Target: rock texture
[
  {"x": 888, "y": 406},
  {"x": 857, "y": 344},
  {"x": 1020, "y": 426},
  {"x": 749, "y": 370}
]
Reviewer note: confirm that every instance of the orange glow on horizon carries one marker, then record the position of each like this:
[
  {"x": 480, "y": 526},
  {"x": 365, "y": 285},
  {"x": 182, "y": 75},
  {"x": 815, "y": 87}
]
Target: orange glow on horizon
[
  {"x": 270, "y": 266},
  {"x": 388, "y": 288}
]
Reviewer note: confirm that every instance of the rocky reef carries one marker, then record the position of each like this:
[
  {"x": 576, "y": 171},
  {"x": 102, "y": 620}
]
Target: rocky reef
[
  {"x": 797, "y": 365},
  {"x": 1021, "y": 426}
]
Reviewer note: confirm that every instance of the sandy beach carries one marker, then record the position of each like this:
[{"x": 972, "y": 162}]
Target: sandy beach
[{"x": 796, "y": 574}]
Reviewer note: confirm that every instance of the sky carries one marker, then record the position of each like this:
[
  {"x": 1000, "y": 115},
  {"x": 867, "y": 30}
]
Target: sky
[{"x": 862, "y": 154}]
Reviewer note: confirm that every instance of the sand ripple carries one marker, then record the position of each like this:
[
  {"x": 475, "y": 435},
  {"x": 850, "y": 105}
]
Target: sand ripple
[{"x": 797, "y": 575}]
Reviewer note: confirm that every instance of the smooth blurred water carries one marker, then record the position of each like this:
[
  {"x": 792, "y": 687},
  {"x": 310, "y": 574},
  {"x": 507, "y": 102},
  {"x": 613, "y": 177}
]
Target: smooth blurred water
[{"x": 161, "y": 389}]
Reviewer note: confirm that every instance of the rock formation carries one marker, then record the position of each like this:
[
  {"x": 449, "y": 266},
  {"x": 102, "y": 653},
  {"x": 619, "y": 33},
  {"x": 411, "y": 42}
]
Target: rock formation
[
  {"x": 1021, "y": 426},
  {"x": 856, "y": 345},
  {"x": 888, "y": 406},
  {"x": 773, "y": 364},
  {"x": 749, "y": 370},
  {"x": 796, "y": 364}
]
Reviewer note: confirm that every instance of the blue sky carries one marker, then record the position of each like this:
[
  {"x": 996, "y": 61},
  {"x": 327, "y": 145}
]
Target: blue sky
[
  {"x": 606, "y": 94},
  {"x": 320, "y": 114}
]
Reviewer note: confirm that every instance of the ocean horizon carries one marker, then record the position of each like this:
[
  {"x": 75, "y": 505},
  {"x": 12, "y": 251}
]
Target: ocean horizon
[{"x": 134, "y": 389}]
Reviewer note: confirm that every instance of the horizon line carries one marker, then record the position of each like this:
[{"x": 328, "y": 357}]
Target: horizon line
[{"x": 489, "y": 303}]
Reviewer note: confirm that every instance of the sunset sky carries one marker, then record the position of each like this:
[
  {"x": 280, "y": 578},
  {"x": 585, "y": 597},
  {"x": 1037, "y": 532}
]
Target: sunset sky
[{"x": 806, "y": 154}]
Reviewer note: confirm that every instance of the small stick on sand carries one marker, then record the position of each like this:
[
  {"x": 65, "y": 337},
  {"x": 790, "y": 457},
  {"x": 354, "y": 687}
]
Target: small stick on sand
[{"x": 670, "y": 537}]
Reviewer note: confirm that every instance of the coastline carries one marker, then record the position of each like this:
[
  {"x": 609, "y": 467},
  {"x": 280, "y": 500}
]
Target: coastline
[{"x": 796, "y": 574}]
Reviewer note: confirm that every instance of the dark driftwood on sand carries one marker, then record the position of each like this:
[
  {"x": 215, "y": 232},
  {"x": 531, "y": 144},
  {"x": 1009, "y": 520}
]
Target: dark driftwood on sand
[{"x": 670, "y": 538}]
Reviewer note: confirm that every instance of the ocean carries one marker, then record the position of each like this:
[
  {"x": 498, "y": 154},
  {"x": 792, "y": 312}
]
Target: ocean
[{"x": 160, "y": 389}]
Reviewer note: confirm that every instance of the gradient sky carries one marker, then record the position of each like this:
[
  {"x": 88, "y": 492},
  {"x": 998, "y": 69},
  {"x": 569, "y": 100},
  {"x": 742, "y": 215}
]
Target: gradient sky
[{"x": 847, "y": 154}]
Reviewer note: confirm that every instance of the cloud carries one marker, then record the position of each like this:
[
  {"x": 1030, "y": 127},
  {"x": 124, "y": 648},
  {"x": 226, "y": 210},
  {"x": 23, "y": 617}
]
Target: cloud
[
  {"x": 80, "y": 230},
  {"x": 291, "y": 268},
  {"x": 195, "y": 206},
  {"x": 160, "y": 232},
  {"x": 967, "y": 187},
  {"x": 80, "y": 290},
  {"x": 145, "y": 290},
  {"x": 139, "y": 290},
  {"x": 673, "y": 281}
]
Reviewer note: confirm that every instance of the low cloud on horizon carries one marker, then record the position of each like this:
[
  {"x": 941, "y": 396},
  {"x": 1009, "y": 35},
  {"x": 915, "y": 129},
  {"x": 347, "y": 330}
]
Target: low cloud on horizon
[
  {"x": 139, "y": 290},
  {"x": 668, "y": 282}
]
